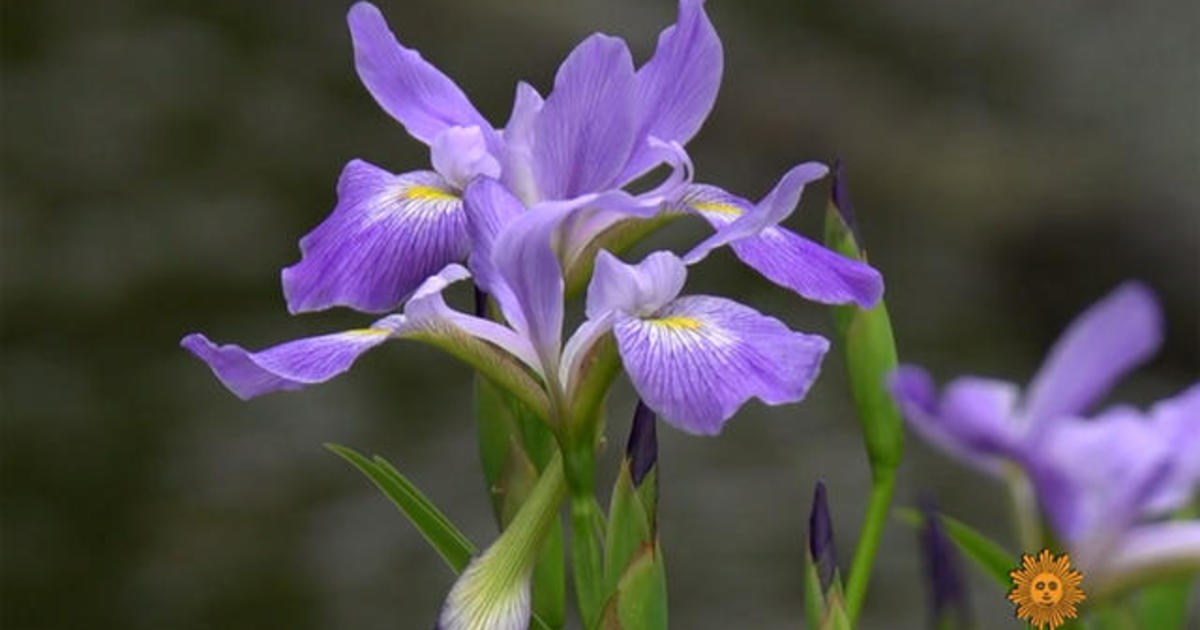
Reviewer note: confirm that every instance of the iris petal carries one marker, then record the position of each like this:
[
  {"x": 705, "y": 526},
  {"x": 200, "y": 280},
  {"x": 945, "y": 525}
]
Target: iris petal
[
  {"x": 409, "y": 88},
  {"x": 289, "y": 366},
  {"x": 584, "y": 134},
  {"x": 972, "y": 419},
  {"x": 387, "y": 234},
  {"x": 788, "y": 259},
  {"x": 1112, "y": 337},
  {"x": 700, "y": 358},
  {"x": 676, "y": 88}
]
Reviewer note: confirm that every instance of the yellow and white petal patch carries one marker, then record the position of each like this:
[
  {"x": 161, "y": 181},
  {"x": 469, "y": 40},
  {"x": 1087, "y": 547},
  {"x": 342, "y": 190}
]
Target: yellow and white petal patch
[
  {"x": 676, "y": 322},
  {"x": 727, "y": 209}
]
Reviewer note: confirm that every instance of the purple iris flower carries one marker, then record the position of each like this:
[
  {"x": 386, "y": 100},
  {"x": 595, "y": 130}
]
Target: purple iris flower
[
  {"x": 1100, "y": 480},
  {"x": 604, "y": 124}
]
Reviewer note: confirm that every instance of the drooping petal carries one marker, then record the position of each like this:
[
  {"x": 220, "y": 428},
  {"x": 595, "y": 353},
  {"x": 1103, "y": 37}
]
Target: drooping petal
[
  {"x": 409, "y": 88},
  {"x": 289, "y": 366},
  {"x": 460, "y": 154},
  {"x": 700, "y": 358},
  {"x": 971, "y": 420},
  {"x": 387, "y": 234},
  {"x": 676, "y": 88},
  {"x": 585, "y": 131},
  {"x": 788, "y": 259},
  {"x": 638, "y": 290},
  {"x": 1112, "y": 337},
  {"x": 773, "y": 208},
  {"x": 1150, "y": 550},
  {"x": 517, "y": 172}
]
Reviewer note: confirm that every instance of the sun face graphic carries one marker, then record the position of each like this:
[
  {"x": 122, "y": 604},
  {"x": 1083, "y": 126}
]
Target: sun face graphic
[{"x": 1046, "y": 589}]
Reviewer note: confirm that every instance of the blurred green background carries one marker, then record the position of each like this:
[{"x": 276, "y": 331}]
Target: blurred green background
[{"x": 1010, "y": 163}]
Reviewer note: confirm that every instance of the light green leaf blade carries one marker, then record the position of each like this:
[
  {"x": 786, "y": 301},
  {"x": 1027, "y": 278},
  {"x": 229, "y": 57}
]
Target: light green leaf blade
[
  {"x": 1164, "y": 605},
  {"x": 454, "y": 547}
]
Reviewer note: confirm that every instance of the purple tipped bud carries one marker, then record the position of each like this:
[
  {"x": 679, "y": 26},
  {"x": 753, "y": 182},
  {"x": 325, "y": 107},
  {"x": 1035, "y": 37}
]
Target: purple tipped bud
[
  {"x": 642, "y": 450},
  {"x": 820, "y": 538},
  {"x": 949, "y": 602},
  {"x": 841, "y": 199}
]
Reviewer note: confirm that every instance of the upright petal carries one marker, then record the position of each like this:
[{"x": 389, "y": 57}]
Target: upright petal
[
  {"x": 700, "y": 358},
  {"x": 1110, "y": 338},
  {"x": 490, "y": 207},
  {"x": 517, "y": 154},
  {"x": 676, "y": 88},
  {"x": 640, "y": 289},
  {"x": 775, "y": 207},
  {"x": 387, "y": 234},
  {"x": 585, "y": 131},
  {"x": 409, "y": 88},
  {"x": 971, "y": 420},
  {"x": 460, "y": 154},
  {"x": 289, "y": 366},
  {"x": 524, "y": 259},
  {"x": 788, "y": 259}
]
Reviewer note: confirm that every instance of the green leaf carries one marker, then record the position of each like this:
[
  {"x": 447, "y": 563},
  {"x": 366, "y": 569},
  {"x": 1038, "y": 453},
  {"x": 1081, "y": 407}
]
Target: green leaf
[
  {"x": 494, "y": 364},
  {"x": 628, "y": 528},
  {"x": 987, "y": 554},
  {"x": 514, "y": 445},
  {"x": 640, "y": 599},
  {"x": 454, "y": 547},
  {"x": 1164, "y": 606},
  {"x": 814, "y": 599},
  {"x": 835, "y": 617}
]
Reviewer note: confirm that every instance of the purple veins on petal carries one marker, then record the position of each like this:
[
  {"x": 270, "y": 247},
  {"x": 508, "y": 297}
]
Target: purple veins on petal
[
  {"x": 585, "y": 130},
  {"x": 387, "y": 234},
  {"x": 676, "y": 88},
  {"x": 289, "y": 366},
  {"x": 786, "y": 258},
  {"x": 406, "y": 86},
  {"x": 697, "y": 360}
]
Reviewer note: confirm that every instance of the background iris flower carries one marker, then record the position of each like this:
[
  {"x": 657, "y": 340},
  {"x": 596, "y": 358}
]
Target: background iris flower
[{"x": 1098, "y": 479}]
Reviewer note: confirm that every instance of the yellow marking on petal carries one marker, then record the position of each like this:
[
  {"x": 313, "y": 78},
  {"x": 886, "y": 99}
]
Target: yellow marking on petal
[
  {"x": 677, "y": 322},
  {"x": 719, "y": 208},
  {"x": 429, "y": 193},
  {"x": 368, "y": 332}
]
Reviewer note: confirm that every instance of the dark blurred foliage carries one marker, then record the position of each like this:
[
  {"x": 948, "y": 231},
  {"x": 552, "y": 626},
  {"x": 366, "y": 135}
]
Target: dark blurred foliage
[{"x": 1010, "y": 162}]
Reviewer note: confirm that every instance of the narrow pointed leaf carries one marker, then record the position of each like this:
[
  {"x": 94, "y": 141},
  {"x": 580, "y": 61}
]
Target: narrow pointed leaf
[
  {"x": 454, "y": 547},
  {"x": 988, "y": 555},
  {"x": 814, "y": 599}
]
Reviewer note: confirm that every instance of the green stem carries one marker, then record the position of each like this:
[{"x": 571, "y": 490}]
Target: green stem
[
  {"x": 1025, "y": 511},
  {"x": 880, "y": 502},
  {"x": 587, "y": 559}
]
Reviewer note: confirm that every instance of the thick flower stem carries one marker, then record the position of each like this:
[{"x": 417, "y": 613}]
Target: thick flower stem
[{"x": 882, "y": 488}]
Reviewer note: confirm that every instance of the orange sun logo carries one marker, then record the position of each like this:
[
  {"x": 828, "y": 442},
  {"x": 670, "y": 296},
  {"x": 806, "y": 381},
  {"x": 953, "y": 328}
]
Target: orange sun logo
[{"x": 1046, "y": 589}]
